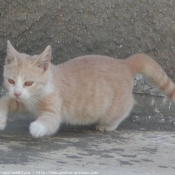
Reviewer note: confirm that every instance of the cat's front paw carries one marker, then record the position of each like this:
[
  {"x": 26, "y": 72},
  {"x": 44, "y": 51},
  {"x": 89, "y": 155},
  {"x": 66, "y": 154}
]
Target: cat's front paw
[
  {"x": 3, "y": 120},
  {"x": 37, "y": 129}
]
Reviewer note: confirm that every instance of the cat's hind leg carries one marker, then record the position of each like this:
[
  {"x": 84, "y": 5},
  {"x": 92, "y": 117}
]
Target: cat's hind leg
[
  {"x": 108, "y": 127},
  {"x": 112, "y": 126},
  {"x": 111, "y": 123}
]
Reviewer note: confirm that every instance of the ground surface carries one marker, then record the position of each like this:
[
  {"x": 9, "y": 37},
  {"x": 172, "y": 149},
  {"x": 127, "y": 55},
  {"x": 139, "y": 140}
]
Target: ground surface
[{"x": 123, "y": 152}]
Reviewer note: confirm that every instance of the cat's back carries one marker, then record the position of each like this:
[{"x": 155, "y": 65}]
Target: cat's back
[
  {"x": 94, "y": 64},
  {"x": 89, "y": 60}
]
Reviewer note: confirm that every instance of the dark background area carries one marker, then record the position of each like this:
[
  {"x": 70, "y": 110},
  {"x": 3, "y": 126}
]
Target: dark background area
[{"x": 78, "y": 27}]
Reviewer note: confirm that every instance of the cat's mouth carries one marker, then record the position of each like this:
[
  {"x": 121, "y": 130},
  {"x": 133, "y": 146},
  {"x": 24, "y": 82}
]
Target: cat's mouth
[{"x": 18, "y": 99}]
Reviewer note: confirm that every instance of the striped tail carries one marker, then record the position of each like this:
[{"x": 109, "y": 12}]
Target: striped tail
[{"x": 141, "y": 63}]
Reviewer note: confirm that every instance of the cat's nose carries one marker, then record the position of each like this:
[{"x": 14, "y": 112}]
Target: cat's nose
[{"x": 17, "y": 94}]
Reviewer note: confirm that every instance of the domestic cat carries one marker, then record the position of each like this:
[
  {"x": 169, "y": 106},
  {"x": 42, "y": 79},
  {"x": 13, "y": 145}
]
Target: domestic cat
[{"x": 85, "y": 90}]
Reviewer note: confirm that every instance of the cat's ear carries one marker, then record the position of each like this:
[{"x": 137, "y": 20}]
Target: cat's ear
[
  {"x": 44, "y": 58},
  {"x": 11, "y": 53}
]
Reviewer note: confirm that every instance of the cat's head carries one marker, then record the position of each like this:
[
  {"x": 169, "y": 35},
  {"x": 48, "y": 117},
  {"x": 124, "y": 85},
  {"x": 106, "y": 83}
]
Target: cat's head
[{"x": 26, "y": 76}]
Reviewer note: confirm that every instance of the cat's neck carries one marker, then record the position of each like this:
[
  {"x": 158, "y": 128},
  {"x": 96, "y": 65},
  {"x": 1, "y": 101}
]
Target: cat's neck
[{"x": 49, "y": 87}]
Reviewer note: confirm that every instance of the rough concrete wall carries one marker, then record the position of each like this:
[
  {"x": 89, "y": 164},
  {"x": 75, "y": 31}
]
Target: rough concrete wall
[
  {"x": 109, "y": 27},
  {"x": 79, "y": 27}
]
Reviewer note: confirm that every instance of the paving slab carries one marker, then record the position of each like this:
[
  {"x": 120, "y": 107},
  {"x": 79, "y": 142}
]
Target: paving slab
[{"x": 86, "y": 151}]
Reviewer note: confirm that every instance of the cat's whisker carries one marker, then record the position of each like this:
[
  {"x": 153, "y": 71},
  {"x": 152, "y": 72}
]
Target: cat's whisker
[{"x": 31, "y": 102}]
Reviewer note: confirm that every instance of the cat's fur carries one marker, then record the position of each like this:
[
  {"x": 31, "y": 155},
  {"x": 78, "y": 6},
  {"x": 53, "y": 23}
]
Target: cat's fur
[{"x": 81, "y": 91}]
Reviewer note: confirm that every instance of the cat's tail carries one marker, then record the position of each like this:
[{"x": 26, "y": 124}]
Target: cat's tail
[{"x": 141, "y": 63}]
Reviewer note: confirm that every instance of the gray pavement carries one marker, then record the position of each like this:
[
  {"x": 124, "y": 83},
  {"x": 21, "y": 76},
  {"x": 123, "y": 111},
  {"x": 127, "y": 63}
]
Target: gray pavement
[{"x": 86, "y": 151}]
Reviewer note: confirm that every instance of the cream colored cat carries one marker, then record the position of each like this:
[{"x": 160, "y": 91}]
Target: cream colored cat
[{"x": 81, "y": 91}]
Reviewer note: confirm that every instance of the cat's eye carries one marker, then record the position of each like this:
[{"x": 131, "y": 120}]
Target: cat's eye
[
  {"x": 28, "y": 83},
  {"x": 11, "y": 81}
]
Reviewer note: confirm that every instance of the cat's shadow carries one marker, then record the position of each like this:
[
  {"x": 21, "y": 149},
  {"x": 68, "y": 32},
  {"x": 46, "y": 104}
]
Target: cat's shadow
[{"x": 21, "y": 127}]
